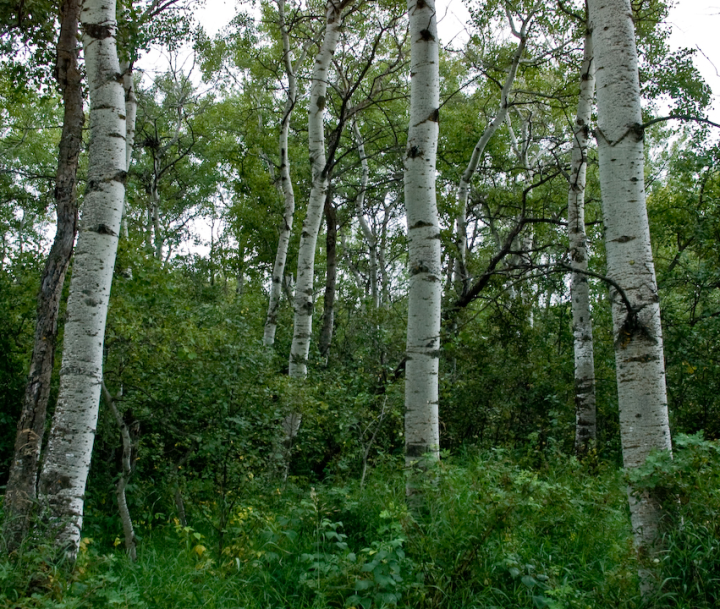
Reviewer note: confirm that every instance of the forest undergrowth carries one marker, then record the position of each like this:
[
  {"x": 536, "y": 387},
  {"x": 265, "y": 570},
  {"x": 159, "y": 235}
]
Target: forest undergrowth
[{"x": 498, "y": 529}]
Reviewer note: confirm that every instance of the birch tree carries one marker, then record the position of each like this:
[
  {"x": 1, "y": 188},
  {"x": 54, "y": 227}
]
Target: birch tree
[
  {"x": 22, "y": 484},
  {"x": 286, "y": 187},
  {"x": 521, "y": 34},
  {"x": 639, "y": 356},
  {"x": 304, "y": 289},
  {"x": 422, "y": 435},
  {"x": 367, "y": 231},
  {"x": 585, "y": 411},
  {"x": 67, "y": 462}
]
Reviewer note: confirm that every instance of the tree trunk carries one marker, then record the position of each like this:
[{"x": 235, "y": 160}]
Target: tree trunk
[
  {"x": 586, "y": 419},
  {"x": 67, "y": 462},
  {"x": 304, "y": 297},
  {"x": 460, "y": 269},
  {"x": 130, "y": 118},
  {"x": 364, "y": 226},
  {"x": 21, "y": 489},
  {"x": 331, "y": 276},
  {"x": 285, "y": 184},
  {"x": 422, "y": 435},
  {"x": 127, "y": 468},
  {"x": 640, "y": 366}
]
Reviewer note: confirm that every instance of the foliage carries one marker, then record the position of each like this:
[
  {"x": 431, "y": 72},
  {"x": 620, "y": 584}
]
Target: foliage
[
  {"x": 686, "y": 484},
  {"x": 497, "y": 535},
  {"x": 514, "y": 520}
]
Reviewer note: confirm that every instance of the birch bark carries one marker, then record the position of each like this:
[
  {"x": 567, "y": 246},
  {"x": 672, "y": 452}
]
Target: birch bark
[
  {"x": 130, "y": 119},
  {"x": 67, "y": 462},
  {"x": 21, "y": 490},
  {"x": 285, "y": 183},
  {"x": 304, "y": 300},
  {"x": 422, "y": 435},
  {"x": 585, "y": 411},
  {"x": 639, "y": 358}
]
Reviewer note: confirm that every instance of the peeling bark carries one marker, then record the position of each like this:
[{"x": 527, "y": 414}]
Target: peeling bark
[
  {"x": 21, "y": 491},
  {"x": 67, "y": 462}
]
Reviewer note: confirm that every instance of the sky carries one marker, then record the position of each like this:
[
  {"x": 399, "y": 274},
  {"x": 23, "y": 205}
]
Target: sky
[{"x": 695, "y": 24}]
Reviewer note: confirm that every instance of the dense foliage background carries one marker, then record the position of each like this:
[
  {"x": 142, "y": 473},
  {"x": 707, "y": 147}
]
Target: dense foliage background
[{"x": 515, "y": 519}]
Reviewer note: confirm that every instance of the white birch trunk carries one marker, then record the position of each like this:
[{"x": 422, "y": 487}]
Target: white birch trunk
[
  {"x": 460, "y": 268},
  {"x": 422, "y": 435},
  {"x": 130, "y": 119},
  {"x": 67, "y": 461},
  {"x": 304, "y": 287},
  {"x": 639, "y": 358},
  {"x": 585, "y": 411},
  {"x": 285, "y": 185},
  {"x": 364, "y": 226}
]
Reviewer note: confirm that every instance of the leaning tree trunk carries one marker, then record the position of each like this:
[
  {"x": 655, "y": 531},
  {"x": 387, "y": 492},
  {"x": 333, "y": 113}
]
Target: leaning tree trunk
[
  {"x": 304, "y": 300},
  {"x": 285, "y": 184},
  {"x": 460, "y": 268},
  {"x": 66, "y": 465},
  {"x": 127, "y": 469},
  {"x": 640, "y": 366},
  {"x": 21, "y": 489},
  {"x": 422, "y": 435},
  {"x": 585, "y": 411}
]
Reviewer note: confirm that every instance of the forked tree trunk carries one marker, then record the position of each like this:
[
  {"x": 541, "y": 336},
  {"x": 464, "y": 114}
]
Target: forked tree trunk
[
  {"x": 422, "y": 435},
  {"x": 21, "y": 491},
  {"x": 585, "y": 411},
  {"x": 640, "y": 366},
  {"x": 67, "y": 462},
  {"x": 304, "y": 297},
  {"x": 285, "y": 184}
]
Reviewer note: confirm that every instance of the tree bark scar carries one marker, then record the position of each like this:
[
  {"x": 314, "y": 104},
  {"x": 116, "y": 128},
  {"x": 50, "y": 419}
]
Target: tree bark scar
[
  {"x": 420, "y": 224},
  {"x": 102, "y": 229},
  {"x": 414, "y": 152},
  {"x": 415, "y": 451},
  {"x": 434, "y": 116},
  {"x": 426, "y": 35},
  {"x": 98, "y": 31}
]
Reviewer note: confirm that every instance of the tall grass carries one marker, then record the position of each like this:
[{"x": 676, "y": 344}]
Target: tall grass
[{"x": 495, "y": 533}]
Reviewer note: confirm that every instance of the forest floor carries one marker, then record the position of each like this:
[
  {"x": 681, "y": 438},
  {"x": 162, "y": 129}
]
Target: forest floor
[{"x": 496, "y": 530}]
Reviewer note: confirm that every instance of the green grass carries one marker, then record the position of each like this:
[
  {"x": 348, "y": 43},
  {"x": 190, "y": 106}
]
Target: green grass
[{"x": 490, "y": 533}]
